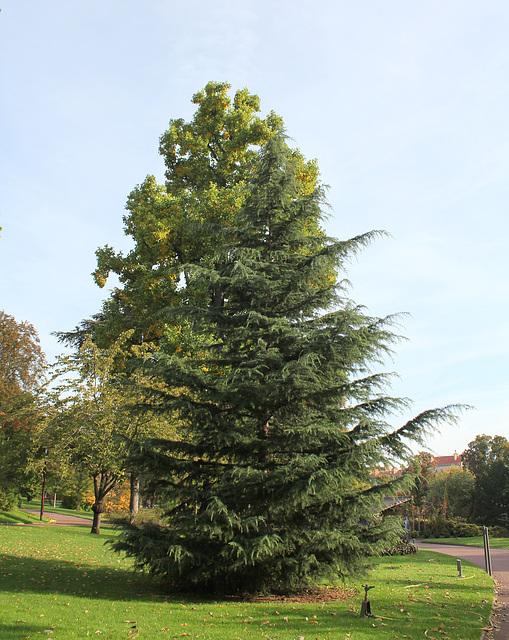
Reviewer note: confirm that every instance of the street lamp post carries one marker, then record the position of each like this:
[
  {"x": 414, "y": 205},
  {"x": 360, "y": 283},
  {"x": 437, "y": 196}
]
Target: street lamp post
[{"x": 44, "y": 481}]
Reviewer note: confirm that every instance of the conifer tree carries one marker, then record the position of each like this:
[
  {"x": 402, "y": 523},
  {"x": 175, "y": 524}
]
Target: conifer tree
[{"x": 271, "y": 487}]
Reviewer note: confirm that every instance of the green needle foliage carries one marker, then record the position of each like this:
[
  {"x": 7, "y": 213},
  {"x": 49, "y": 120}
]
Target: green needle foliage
[{"x": 270, "y": 488}]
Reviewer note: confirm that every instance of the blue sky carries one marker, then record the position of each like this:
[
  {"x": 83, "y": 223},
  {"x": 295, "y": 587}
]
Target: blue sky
[{"x": 404, "y": 104}]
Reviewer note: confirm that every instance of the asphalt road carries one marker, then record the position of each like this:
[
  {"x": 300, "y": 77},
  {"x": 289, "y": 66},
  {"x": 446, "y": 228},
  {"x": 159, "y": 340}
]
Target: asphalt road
[
  {"x": 60, "y": 518},
  {"x": 500, "y": 572}
]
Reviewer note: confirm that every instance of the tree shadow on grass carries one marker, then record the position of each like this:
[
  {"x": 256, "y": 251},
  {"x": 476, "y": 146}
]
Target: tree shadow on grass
[
  {"x": 20, "y": 630},
  {"x": 37, "y": 575},
  {"x": 15, "y": 519}
]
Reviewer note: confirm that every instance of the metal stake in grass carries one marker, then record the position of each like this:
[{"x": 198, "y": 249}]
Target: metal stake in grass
[
  {"x": 366, "y": 606},
  {"x": 458, "y": 567}
]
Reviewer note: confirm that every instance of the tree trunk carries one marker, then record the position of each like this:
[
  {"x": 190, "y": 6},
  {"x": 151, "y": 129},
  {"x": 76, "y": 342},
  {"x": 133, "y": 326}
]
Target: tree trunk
[
  {"x": 134, "y": 498},
  {"x": 104, "y": 482},
  {"x": 54, "y": 500},
  {"x": 43, "y": 490},
  {"x": 98, "y": 510}
]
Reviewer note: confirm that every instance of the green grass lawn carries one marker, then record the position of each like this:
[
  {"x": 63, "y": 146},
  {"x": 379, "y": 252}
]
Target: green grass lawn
[
  {"x": 63, "y": 583},
  {"x": 19, "y": 517},
  {"x": 477, "y": 541}
]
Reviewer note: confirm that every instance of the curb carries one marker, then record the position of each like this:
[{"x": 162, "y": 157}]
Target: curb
[{"x": 487, "y": 633}]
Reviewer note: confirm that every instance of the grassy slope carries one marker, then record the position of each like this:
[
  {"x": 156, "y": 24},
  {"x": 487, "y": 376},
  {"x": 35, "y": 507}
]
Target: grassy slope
[
  {"x": 477, "y": 541},
  {"x": 64, "y": 583},
  {"x": 19, "y": 517}
]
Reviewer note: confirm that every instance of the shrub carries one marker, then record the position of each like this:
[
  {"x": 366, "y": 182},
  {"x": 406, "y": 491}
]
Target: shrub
[
  {"x": 117, "y": 499},
  {"x": 9, "y": 499},
  {"x": 403, "y": 548},
  {"x": 73, "y": 501},
  {"x": 465, "y": 530},
  {"x": 152, "y": 515},
  {"x": 441, "y": 528}
]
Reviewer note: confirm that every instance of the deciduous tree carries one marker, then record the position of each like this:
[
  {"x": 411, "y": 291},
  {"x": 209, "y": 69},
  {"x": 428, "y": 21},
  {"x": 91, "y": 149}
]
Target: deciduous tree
[
  {"x": 209, "y": 161},
  {"x": 21, "y": 358},
  {"x": 423, "y": 467},
  {"x": 451, "y": 492},
  {"x": 488, "y": 459},
  {"x": 93, "y": 419},
  {"x": 21, "y": 372}
]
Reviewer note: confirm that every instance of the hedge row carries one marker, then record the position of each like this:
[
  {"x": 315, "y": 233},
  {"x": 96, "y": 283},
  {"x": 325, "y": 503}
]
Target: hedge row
[{"x": 442, "y": 528}]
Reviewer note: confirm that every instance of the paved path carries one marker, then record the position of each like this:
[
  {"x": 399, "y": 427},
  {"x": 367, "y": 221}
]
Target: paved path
[
  {"x": 60, "y": 518},
  {"x": 500, "y": 570}
]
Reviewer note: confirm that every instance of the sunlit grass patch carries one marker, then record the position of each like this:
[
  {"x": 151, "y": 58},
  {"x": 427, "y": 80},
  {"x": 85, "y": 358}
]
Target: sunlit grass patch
[
  {"x": 63, "y": 583},
  {"x": 15, "y": 516},
  {"x": 474, "y": 541}
]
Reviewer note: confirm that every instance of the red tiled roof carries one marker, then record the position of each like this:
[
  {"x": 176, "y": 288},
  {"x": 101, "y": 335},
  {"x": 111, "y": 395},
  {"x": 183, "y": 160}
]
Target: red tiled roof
[
  {"x": 440, "y": 461},
  {"x": 443, "y": 461},
  {"x": 388, "y": 472}
]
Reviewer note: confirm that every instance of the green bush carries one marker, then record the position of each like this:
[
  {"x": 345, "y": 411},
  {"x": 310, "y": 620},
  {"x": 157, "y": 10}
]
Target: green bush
[
  {"x": 9, "y": 499},
  {"x": 466, "y": 530},
  {"x": 152, "y": 515},
  {"x": 403, "y": 548},
  {"x": 76, "y": 503},
  {"x": 439, "y": 527}
]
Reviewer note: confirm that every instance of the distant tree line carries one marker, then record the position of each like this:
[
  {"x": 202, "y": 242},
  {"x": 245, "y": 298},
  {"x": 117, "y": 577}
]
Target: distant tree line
[{"x": 478, "y": 492}]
